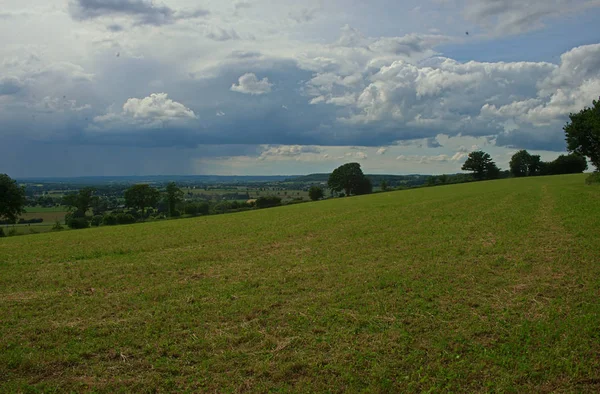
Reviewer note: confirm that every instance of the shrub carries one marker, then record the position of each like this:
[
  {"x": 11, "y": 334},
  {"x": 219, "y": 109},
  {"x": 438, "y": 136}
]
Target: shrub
[
  {"x": 315, "y": 193},
  {"x": 593, "y": 178},
  {"x": 96, "y": 220},
  {"x": 57, "y": 226},
  {"x": 2, "y": 235},
  {"x": 268, "y": 201},
  {"x": 190, "y": 209},
  {"x": 125, "y": 218},
  {"x": 175, "y": 214},
  {"x": 77, "y": 223},
  {"x": 109, "y": 220},
  {"x": 203, "y": 208}
]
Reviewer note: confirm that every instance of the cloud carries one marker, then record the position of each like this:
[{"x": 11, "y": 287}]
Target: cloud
[
  {"x": 288, "y": 151},
  {"x": 154, "y": 111},
  {"x": 381, "y": 151},
  {"x": 144, "y": 12},
  {"x": 506, "y": 17},
  {"x": 219, "y": 34},
  {"x": 305, "y": 15},
  {"x": 10, "y": 85},
  {"x": 249, "y": 84}
]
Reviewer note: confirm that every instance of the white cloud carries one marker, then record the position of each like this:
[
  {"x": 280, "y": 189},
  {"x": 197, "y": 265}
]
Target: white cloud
[
  {"x": 250, "y": 84},
  {"x": 156, "y": 110},
  {"x": 381, "y": 151}
]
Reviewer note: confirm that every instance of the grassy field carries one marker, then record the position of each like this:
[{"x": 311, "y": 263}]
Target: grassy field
[{"x": 489, "y": 286}]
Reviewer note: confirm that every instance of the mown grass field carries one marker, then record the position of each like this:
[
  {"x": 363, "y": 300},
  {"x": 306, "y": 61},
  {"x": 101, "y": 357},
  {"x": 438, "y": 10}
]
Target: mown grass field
[{"x": 490, "y": 286}]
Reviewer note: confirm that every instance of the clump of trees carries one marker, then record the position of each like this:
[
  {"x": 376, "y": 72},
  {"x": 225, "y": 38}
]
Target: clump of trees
[
  {"x": 524, "y": 164},
  {"x": 482, "y": 166},
  {"x": 141, "y": 197},
  {"x": 349, "y": 178}
]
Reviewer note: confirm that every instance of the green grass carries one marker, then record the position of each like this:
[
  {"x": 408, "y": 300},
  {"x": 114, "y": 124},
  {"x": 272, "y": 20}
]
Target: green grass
[{"x": 489, "y": 286}]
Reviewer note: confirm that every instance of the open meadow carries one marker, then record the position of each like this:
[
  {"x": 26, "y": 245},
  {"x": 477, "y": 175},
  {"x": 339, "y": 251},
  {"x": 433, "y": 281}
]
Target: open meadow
[{"x": 487, "y": 286}]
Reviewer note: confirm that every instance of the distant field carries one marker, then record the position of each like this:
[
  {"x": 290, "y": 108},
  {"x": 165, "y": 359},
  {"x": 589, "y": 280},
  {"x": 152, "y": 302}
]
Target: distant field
[
  {"x": 44, "y": 209},
  {"x": 488, "y": 286},
  {"x": 49, "y": 216}
]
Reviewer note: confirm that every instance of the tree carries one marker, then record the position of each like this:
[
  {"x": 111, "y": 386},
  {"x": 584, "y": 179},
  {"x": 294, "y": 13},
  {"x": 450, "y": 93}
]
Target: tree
[
  {"x": 524, "y": 164},
  {"x": 384, "y": 185},
  {"x": 174, "y": 196},
  {"x": 482, "y": 165},
  {"x": 315, "y": 193},
  {"x": 364, "y": 186},
  {"x": 583, "y": 133},
  {"x": 12, "y": 199},
  {"x": 81, "y": 201},
  {"x": 519, "y": 163},
  {"x": 141, "y": 196},
  {"x": 350, "y": 178}
]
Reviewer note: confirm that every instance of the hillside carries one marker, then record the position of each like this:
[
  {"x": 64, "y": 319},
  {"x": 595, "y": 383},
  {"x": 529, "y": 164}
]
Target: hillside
[{"x": 488, "y": 286}]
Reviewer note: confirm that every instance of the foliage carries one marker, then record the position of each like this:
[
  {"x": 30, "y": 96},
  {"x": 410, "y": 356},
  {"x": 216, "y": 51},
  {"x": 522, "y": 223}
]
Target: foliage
[
  {"x": 564, "y": 164},
  {"x": 109, "y": 220},
  {"x": 81, "y": 201},
  {"x": 174, "y": 195},
  {"x": 12, "y": 199},
  {"x": 78, "y": 222},
  {"x": 268, "y": 201},
  {"x": 57, "y": 226},
  {"x": 583, "y": 133},
  {"x": 2, "y": 235},
  {"x": 482, "y": 166},
  {"x": 524, "y": 164},
  {"x": 141, "y": 196},
  {"x": 384, "y": 185},
  {"x": 315, "y": 193},
  {"x": 96, "y": 220},
  {"x": 125, "y": 218},
  {"x": 593, "y": 178},
  {"x": 364, "y": 186},
  {"x": 350, "y": 178}
]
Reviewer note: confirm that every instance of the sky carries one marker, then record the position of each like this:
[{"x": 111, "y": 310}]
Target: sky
[{"x": 281, "y": 87}]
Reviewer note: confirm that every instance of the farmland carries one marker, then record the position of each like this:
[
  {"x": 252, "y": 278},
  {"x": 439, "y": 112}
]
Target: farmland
[{"x": 486, "y": 286}]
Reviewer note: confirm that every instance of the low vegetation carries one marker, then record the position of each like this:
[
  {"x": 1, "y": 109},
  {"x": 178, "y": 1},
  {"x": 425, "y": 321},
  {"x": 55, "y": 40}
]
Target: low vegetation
[{"x": 485, "y": 286}]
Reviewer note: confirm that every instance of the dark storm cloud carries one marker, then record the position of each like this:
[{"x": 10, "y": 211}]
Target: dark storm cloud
[
  {"x": 10, "y": 85},
  {"x": 143, "y": 11}
]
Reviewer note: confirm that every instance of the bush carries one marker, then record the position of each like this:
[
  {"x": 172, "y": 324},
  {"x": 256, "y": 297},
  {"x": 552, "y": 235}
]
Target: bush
[
  {"x": 175, "y": 214},
  {"x": 191, "y": 209},
  {"x": 57, "y": 226},
  {"x": 268, "y": 202},
  {"x": 96, "y": 220},
  {"x": 109, "y": 220},
  {"x": 593, "y": 178},
  {"x": 203, "y": 208},
  {"x": 2, "y": 235},
  {"x": 315, "y": 193},
  {"x": 125, "y": 218},
  {"x": 77, "y": 223}
]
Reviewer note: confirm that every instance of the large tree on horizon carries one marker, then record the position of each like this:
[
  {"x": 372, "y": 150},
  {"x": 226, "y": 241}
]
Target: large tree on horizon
[
  {"x": 482, "y": 165},
  {"x": 350, "y": 178}
]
